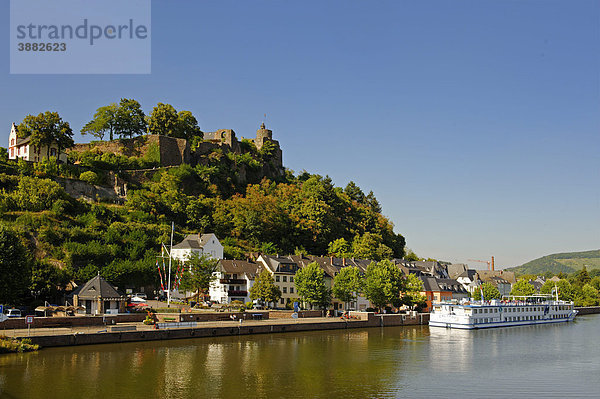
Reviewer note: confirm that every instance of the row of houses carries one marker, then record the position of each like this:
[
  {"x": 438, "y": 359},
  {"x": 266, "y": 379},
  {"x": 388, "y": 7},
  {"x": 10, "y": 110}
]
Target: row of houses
[{"x": 235, "y": 277}]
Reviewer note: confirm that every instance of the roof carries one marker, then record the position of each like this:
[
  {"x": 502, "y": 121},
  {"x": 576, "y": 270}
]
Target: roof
[
  {"x": 457, "y": 269},
  {"x": 23, "y": 141},
  {"x": 429, "y": 283},
  {"x": 239, "y": 267},
  {"x": 195, "y": 241},
  {"x": 470, "y": 274},
  {"x": 98, "y": 287},
  {"x": 280, "y": 264}
]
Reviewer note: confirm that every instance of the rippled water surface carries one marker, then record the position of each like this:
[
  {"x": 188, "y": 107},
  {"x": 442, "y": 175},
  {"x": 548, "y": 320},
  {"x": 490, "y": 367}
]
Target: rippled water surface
[{"x": 559, "y": 360}]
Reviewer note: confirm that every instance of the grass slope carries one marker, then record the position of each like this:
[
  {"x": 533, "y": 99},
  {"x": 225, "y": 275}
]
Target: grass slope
[{"x": 568, "y": 262}]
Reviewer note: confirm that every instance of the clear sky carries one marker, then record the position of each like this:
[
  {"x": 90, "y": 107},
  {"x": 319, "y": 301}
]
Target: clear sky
[{"x": 475, "y": 123}]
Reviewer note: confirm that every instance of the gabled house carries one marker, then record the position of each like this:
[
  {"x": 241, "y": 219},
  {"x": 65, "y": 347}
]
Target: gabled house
[
  {"x": 332, "y": 266},
  {"x": 234, "y": 280},
  {"x": 433, "y": 292},
  {"x": 470, "y": 280},
  {"x": 98, "y": 296},
  {"x": 198, "y": 243},
  {"x": 22, "y": 148},
  {"x": 283, "y": 270}
]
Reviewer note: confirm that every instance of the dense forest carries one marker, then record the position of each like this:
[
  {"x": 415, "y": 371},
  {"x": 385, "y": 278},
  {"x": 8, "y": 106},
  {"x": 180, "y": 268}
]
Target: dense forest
[{"x": 52, "y": 238}]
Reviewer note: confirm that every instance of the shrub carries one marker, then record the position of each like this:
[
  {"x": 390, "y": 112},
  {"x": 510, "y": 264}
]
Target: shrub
[{"x": 89, "y": 177}]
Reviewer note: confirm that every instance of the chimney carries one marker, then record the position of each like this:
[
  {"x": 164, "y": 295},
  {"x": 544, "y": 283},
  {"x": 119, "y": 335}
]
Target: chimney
[
  {"x": 331, "y": 259},
  {"x": 492, "y": 263},
  {"x": 344, "y": 261}
]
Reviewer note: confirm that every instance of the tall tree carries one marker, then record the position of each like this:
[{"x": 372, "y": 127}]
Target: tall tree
[
  {"x": 14, "y": 267},
  {"x": 264, "y": 288},
  {"x": 565, "y": 290},
  {"x": 310, "y": 285},
  {"x": 187, "y": 126},
  {"x": 163, "y": 120},
  {"x": 354, "y": 192},
  {"x": 489, "y": 292},
  {"x": 130, "y": 119},
  {"x": 347, "y": 284},
  {"x": 199, "y": 272},
  {"x": 383, "y": 284},
  {"x": 522, "y": 288},
  {"x": 47, "y": 129},
  {"x": 105, "y": 121},
  {"x": 411, "y": 296},
  {"x": 339, "y": 247}
]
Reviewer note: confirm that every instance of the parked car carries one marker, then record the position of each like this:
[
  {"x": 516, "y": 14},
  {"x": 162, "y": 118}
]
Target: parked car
[
  {"x": 13, "y": 313},
  {"x": 141, "y": 295}
]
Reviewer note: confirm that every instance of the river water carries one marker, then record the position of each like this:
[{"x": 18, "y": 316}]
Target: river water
[{"x": 557, "y": 360}]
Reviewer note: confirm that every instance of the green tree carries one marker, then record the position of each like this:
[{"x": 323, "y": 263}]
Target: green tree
[
  {"x": 411, "y": 256},
  {"x": 339, "y": 248},
  {"x": 565, "y": 290},
  {"x": 522, "y": 288},
  {"x": 46, "y": 280},
  {"x": 383, "y": 284},
  {"x": 163, "y": 120},
  {"x": 365, "y": 246},
  {"x": 105, "y": 121},
  {"x": 187, "y": 126},
  {"x": 347, "y": 284},
  {"x": 14, "y": 267},
  {"x": 310, "y": 285},
  {"x": 589, "y": 296},
  {"x": 34, "y": 194},
  {"x": 582, "y": 277},
  {"x": 130, "y": 120},
  {"x": 47, "y": 129},
  {"x": 199, "y": 272},
  {"x": 489, "y": 292},
  {"x": 354, "y": 192},
  {"x": 264, "y": 288},
  {"x": 413, "y": 286}
]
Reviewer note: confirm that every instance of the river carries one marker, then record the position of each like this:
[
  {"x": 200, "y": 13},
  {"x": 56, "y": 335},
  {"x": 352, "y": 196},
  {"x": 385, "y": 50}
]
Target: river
[{"x": 557, "y": 360}]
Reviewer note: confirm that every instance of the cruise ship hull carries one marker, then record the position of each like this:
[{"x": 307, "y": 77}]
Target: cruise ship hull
[{"x": 495, "y": 324}]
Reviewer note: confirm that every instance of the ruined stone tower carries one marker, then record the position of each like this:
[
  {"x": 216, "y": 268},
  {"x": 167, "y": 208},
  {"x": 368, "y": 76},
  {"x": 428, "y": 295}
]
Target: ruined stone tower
[{"x": 262, "y": 134}]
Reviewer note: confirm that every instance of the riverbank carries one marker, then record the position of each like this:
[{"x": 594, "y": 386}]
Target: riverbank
[
  {"x": 132, "y": 332},
  {"x": 13, "y": 345}
]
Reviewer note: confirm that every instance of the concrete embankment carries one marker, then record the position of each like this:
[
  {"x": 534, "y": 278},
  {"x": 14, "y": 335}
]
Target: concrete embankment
[
  {"x": 588, "y": 310},
  {"x": 226, "y": 328}
]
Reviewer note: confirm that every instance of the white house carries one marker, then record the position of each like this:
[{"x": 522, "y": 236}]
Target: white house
[
  {"x": 22, "y": 148},
  {"x": 201, "y": 244},
  {"x": 234, "y": 280}
]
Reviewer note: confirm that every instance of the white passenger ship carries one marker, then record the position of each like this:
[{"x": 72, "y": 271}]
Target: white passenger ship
[{"x": 513, "y": 311}]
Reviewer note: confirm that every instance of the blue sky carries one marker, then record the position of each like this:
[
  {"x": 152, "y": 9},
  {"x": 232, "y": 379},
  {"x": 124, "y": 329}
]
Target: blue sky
[{"x": 476, "y": 123}]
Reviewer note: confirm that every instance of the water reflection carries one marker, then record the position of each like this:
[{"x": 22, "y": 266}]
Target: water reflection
[{"x": 378, "y": 362}]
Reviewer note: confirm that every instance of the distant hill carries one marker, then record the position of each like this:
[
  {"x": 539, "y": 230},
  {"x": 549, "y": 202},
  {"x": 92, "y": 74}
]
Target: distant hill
[{"x": 568, "y": 262}]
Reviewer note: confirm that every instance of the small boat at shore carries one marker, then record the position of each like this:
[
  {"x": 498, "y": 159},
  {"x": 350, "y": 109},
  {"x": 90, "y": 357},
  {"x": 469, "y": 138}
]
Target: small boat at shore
[{"x": 512, "y": 311}]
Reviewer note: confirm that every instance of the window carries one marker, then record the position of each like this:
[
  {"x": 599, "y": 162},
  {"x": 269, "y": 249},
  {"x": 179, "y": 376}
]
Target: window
[
  {"x": 291, "y": 290},
  {"x": 282, "y": 301},
  {"x": 277, "y": 278},
  {"x": 291, "y": 279},
  {"x": 285, "y": 290},
  {"x": 285, "y": 279}
]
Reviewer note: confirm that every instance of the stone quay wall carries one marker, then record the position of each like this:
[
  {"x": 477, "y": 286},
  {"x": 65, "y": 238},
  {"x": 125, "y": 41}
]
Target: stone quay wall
[{"x": 357, "y": 320}]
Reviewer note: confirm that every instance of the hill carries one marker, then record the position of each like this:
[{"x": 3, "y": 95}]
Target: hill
[
  {"x": 567, "y": 262},
  {"x": 237, "y": 189}
]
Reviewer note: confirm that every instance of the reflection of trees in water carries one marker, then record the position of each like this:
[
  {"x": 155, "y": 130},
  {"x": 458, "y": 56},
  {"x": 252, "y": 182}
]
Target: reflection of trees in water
[{"x": 349, "y": 363}]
